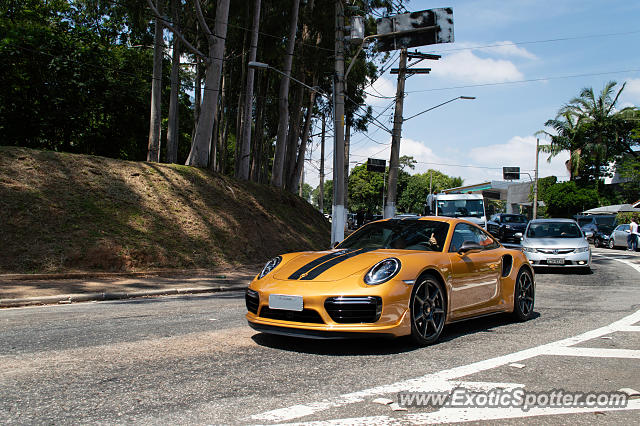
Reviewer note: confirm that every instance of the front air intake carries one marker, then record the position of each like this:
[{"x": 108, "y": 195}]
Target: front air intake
[{"x": 354, "y": 310}]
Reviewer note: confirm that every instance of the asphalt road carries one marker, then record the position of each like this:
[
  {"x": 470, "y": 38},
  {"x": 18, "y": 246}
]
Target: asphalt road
[{"x": 193, "y": 359}]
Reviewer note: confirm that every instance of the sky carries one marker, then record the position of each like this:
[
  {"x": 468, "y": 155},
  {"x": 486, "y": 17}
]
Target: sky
[{"x": 522, "y": 60}]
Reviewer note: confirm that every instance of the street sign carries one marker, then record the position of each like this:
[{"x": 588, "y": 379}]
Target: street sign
[
  {"x": 433, "y": 26},
  {"x": 511, "y": 173},
  {"x": 376, "y": 165}
]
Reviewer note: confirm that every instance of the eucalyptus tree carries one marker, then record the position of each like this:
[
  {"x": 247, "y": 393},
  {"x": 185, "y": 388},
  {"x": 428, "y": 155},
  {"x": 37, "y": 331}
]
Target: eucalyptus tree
[{"x": 201, "y": 144}]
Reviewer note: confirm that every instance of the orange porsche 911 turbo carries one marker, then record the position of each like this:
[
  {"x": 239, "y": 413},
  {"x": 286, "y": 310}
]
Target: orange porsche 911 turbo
[{"x": 395, "y": 277}]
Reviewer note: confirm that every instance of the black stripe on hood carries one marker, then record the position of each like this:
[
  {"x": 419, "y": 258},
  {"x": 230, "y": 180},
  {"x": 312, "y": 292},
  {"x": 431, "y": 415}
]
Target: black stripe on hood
[
  {"x": 333, "y": 262},
  {"x": 309, "y": 266}
]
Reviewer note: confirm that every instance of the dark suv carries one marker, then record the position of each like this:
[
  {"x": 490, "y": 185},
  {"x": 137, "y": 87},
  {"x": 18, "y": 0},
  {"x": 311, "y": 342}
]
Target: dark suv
[
  {"x": 601, "y": 225},
  {"x": 505, "y": 226}
]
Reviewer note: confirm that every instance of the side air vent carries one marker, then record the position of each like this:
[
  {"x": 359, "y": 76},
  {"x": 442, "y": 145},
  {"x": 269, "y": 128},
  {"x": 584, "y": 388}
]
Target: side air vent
[
  {"x": 252, "y": 299},
  {"x": 507, "y": 264}
]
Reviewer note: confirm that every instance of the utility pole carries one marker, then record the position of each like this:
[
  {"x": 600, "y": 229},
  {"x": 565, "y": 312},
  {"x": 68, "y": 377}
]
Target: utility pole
[
  {"x": 337, "y": 208},
  {"x": 390, "y": 206},
  {"x": 321, "y": 200},
  {"x": 535, "y": 183}
]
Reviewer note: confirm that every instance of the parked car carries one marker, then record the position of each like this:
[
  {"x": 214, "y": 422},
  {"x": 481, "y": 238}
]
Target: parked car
[
  {"x": 556, "y": 243},
  {"x": 618, "y": 237},
  {"x": 597, "y": 223},
  {"x": 601, "y": 239},
  {"x": 505, "y": 226}
]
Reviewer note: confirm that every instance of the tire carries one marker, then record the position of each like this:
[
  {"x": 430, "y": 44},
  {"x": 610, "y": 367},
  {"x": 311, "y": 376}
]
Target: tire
[
  {"x": 428, "y": 311},
  {"x": 611, "y": 244},
  {"x": 523, "y": 296},
  {"x": 596, "y": 242}
]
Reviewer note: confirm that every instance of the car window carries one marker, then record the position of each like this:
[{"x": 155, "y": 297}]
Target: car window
[
  {"x": 606, "y": 220},
  {"x": 553, "y": 230},
  {"x": 465, "y": 232},
  {"x": 514, "y": 218},
  {"x": 584, "y": 221},
  {"x": 427, "y": 235}
]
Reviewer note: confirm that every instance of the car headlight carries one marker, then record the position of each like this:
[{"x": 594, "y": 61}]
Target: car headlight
[
  {"x": 382, "y": 271},
  {"x": 529, "y": 249},
  {"x": 581, "y": 250},
  {"x": 508, "y": 226},
  {"x": 270, "y": 266}
]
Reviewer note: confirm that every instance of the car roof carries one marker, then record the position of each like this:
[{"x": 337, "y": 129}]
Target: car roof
[{"x": 560, "y": 219}]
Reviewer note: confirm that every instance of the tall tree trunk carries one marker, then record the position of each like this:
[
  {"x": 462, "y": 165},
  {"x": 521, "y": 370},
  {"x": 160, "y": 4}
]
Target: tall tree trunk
[
  {"x": 258, "y": 135},
  {"x": 299, "y": 165},
  {"x": 283, "y": 101},
  {"x": 222, "y": 119},
  {"x": 199, "y": 154},
  {"x": 153, "y": 150},
  {"x": 295, "y": 122},
  {"x": 245, "y": 150},
  {"x": 321, "y": 189},
  {"x": 174, "y": 116}
]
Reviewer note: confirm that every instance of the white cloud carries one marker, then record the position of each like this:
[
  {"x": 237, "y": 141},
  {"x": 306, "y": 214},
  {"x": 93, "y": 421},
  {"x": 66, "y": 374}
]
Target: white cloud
[
  {"x": 631, "y": 94},
  {"x": 467, "y": 67},
  {"x": 381, "y": 87},
  {"x": 520, "y": 152},
  {"x": 500, "y": 48}
]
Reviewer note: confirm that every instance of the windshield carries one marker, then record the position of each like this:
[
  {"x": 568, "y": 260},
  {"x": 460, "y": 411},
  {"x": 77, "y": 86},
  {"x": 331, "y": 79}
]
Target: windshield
[
  {"x": 514, "y": 218},
  {"x": 461, "y": 208},
  {"x": 582, "y": 221},
  {"x": 426, "y": 235},
  {"x": 553, "y": 230},
  {"x": 606, "y": 220}
]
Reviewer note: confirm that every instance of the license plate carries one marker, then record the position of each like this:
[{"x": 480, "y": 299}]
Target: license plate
[
  {"x": 285, "y": 302},
  {"x": 555, "y": 261}
]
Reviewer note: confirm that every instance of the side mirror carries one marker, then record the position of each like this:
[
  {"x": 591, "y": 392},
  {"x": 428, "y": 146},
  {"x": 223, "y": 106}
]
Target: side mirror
[{"x": 469, "y": 246}]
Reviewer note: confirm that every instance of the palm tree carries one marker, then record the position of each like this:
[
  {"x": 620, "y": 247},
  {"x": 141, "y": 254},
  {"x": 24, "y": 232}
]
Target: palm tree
[{"x": 592, "y": 130}]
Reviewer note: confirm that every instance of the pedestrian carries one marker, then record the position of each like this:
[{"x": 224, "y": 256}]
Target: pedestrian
[{"x": 632, "y": 238}]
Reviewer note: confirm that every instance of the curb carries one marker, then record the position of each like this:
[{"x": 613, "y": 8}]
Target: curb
[
  {"x": 83, "y": 275},
  {"x": 90, "y": 297}
]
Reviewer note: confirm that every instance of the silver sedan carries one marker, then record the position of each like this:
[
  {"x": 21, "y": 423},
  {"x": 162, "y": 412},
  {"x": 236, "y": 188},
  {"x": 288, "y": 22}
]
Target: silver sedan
[{"x": 557, "y": 243}]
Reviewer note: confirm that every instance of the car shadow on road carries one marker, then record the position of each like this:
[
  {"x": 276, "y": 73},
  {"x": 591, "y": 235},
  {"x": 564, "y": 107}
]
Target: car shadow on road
[
  {"x": 541, "y": 270},
  {"x": 380, "y": 345}
]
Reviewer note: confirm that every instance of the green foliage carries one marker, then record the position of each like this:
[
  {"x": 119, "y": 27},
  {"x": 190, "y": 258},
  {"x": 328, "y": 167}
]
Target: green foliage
[
  {"x": 626, "y": 217},
  {"x": 365, "y": 190},
  {"x": 414, "y": 196},
  {"x": 567, "y": 199}
]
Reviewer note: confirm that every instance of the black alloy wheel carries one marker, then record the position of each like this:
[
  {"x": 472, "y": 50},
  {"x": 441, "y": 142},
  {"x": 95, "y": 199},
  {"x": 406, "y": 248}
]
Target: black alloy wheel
[
  {"x": 523, "y": 296},
  {"x": 428, "y": 311}
]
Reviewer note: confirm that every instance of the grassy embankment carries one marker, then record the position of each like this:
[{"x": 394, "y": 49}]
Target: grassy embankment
[{"x": 67, "y": 212}]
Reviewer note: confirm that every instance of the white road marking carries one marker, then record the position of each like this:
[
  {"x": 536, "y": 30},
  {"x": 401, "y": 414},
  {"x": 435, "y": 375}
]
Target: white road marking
[
  {"x": 442, "y": 380},
  {"x": 626, "y": 262},
  {"x": 596, "y": 352},
  {"x": 458, "y": 415}
]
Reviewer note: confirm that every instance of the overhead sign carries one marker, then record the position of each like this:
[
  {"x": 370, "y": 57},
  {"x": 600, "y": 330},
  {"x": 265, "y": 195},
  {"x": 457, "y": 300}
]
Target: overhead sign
[
  {"x": 376, "y": 165},
  {"x": 511, "y": 173},
  {"x": 433, "y": 26}
]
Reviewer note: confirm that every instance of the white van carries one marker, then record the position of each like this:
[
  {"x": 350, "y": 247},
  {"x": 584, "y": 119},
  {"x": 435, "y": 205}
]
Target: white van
[{"x": 465, "y": 206}]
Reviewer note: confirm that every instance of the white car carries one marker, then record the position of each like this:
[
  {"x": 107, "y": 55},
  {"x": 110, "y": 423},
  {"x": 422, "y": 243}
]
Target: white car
[{"x": 556, "y": 243}]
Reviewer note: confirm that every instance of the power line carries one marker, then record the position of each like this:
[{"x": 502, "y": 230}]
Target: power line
[{"x": 530, "y": 80}]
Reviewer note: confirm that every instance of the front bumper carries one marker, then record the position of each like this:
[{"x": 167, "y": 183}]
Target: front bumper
[
  {"x": 567, "y": 260},
  {"x": 319, "y": 318}
]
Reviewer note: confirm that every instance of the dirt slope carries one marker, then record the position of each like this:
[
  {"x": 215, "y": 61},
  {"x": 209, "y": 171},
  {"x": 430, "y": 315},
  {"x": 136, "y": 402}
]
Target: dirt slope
[{"x": 66, "y": 212}]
